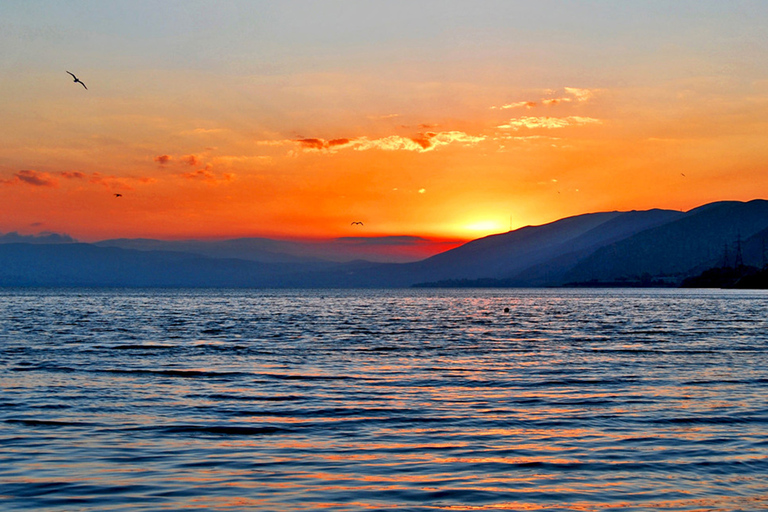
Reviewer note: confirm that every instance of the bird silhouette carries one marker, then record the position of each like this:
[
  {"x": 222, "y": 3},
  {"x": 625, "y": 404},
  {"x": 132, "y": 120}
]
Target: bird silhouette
[
  {"x": 357, "y": 222},
  {"x": 77, "y": 80},
  {"x": 118, "y": 195}
]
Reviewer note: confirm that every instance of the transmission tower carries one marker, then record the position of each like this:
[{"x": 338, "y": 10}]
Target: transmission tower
[{"x": 726, "y": 259}]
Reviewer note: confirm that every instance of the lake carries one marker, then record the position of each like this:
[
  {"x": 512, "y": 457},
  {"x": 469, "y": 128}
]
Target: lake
[{"x": 405, "y": 400}]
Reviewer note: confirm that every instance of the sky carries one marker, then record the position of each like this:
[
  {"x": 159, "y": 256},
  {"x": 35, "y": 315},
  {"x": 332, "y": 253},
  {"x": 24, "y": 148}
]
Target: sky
[{"x": 448, "y": 120}]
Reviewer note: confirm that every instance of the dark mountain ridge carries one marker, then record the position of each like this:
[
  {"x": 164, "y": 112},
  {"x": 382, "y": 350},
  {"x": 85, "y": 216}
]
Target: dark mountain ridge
[{"x": 685, "y": 246}]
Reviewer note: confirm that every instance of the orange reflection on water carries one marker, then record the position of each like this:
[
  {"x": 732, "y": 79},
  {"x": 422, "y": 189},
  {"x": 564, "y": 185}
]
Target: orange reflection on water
[{"x": 693, "y": 505}]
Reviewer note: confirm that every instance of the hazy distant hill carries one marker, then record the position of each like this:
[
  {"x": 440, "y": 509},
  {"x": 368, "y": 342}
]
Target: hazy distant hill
[
  {"x": 606, "y": 247},
  {"x": 397, "y": 249},
  {"x": 78, "y": 264},
  {"x": 43, "y": 238},
  {"x": 263, "y": 250}
]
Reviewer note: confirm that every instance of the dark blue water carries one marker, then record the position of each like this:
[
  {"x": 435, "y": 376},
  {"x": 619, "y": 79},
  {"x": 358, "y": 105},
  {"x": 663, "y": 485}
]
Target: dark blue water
[{"x": 410, "y": 400}]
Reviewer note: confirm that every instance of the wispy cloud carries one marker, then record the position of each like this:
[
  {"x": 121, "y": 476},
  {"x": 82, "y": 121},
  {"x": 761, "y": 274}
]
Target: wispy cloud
[
  {"x": 107, "y": 180},
  {"x": 274, "y": 142},
  {"x": 385, "y": 116},
  {"x": 190, "y": 160},
  {"x": 519, "y": 104},
  {"x": 73, "y": 175},
  {"x": 230, "y": 160},
  {"x": 555, "y": 101},
  {"x": 322, "y": 144},
  {"x": 421, "y": 143},
  {"x": 548, "y": 123},
  {"x": 203, "y": 131},
  {"x": 572, "y": 94},
  {"x": 208, "y": 176},
  {"x": 527, "y": 137},
  {"x": 580, "y": 94},
  {"x": 33, "y": 178}
]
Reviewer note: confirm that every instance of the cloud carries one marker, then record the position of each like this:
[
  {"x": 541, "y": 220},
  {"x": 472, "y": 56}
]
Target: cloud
[
  {"x": 44, "y": 179},
  {"x": 73, "y": 175},
  {"x": 393, "y": 143},
  {"x": 424, "y": 140},
  {"x": 191, "y": 160},
  {"x": 527, "y": 137},
  {"x": 34, "y": 178},
  {"x": 580, "y": 94},
  {"x": 421, "y": 143},
  {"x": 519, "y": 104},
  {"x": 202, "y": 131},
  {"x": 312, "y": 143},
  {"x": 573, "y": 94},
  {"x": 208, "y": 176},
  {"x": 322, "y": 144},
  {"x": 338, "y": 142},
  {"x": 385, "y": 116},
  {"x": 555, "y": 101},
  {"x": 273, "y": 142},
  {"x": 230, "y": 160},
  {"x": 162, "y": 159},
  {"x": 109, "y": 181},
  {"x": 548, "y": 123}
]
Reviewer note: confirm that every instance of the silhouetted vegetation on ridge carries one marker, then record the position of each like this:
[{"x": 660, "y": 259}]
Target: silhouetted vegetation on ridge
[{"x": 720, "y": 277}]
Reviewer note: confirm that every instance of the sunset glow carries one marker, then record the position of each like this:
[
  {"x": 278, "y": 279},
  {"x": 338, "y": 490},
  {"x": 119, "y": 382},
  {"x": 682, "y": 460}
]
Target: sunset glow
[{"x": 441, "y": 120}]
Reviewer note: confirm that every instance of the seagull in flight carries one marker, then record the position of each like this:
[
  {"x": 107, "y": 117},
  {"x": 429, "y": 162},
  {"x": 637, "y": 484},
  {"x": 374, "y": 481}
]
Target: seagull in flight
[
  {"x": 357, "y": 222},
  {"x": 77, "y": 80}
]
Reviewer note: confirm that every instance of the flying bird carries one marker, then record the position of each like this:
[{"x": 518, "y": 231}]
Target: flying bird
[
  {"x": 118, "y": 195},
  {"x": 77, "y": 80},
  {"x": 357, "y": 222}
]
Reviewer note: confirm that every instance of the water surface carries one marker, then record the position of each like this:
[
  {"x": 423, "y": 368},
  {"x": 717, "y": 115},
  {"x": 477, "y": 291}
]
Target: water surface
[{"x": 412, "y": 400}]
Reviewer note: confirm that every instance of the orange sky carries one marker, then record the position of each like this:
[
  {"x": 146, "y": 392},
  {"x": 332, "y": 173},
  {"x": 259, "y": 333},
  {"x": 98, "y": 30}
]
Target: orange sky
[{"x": 284, "y": 120}]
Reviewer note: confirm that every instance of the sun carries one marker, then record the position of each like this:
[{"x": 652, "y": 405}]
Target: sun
[{"x": 483, "y": 227}]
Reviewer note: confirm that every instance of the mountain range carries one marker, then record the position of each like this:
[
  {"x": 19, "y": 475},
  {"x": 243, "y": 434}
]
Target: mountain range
[{"x": 656, "y": 246}]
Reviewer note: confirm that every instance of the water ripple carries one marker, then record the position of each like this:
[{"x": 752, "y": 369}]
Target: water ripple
[{"x": 411, "y": 400}]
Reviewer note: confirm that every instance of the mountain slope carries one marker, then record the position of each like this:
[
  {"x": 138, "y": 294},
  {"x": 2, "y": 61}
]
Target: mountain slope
[
  {"x": 554, "y": 270},
  {"x": 682, "y": 247},
  {"x": 537, "y": 255}
]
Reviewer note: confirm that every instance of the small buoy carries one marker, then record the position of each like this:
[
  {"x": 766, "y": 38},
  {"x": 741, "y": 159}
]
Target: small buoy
[{"x": 506, "y": 310}]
